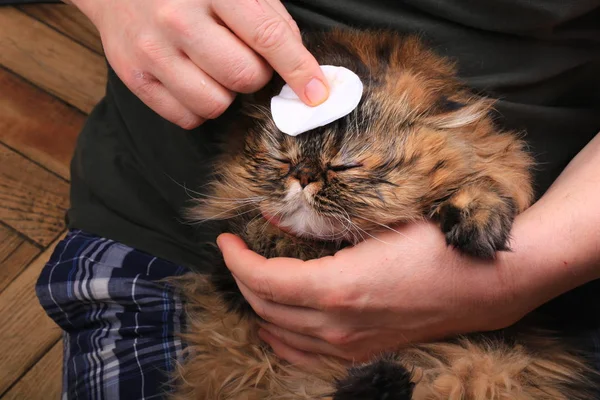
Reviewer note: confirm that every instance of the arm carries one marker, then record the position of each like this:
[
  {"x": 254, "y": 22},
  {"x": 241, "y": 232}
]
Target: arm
[
  {"x": 412, "y": 287},
  {"x": 556, "y": 242}
]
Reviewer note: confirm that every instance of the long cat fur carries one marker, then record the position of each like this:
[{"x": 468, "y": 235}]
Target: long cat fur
[{"x": 419, "y": 145}]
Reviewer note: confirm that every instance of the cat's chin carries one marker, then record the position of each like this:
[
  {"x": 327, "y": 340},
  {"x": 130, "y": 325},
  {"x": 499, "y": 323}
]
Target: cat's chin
[{"x": 309, "y": 225}]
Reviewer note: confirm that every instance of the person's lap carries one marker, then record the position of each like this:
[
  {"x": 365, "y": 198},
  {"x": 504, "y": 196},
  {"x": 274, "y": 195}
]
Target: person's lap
[{"x": 121, "y": 324}]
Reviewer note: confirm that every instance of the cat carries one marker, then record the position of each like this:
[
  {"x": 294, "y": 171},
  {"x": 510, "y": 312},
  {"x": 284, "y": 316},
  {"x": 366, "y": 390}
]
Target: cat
[{"x": 420, "y": 145}]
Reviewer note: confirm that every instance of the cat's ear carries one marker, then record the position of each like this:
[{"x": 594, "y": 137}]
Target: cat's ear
[{"x": 456, "y": 114}]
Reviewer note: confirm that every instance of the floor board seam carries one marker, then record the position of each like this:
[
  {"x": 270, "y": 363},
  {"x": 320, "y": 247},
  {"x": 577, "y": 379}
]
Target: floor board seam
[
  {"x": 54, "y": 96},
  {"x": 22, "y": 236},
  {"x": 11, "y": 148},
  {"x": 32, "y": 261},
  {"x": 29, "y": 368},
  {"x": 19, "y": 8}
]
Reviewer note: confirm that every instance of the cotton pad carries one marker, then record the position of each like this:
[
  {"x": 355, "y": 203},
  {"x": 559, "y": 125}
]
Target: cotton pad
[{"x": 293, "y": 117}]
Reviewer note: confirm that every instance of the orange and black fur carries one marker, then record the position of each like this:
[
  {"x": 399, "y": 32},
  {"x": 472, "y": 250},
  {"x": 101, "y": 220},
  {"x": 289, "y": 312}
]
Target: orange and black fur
[{"x": 419, "y": 145}]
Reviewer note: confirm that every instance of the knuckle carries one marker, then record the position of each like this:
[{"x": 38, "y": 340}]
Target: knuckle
[
  {"x": 293, "y": 24},
  {"x": 259, "y": 286},
  {"x": 264, "y": 290},
  {"x": 216, "y": 109},
  {"x": 147, "y": 47},
  {"x": 300, "y": 65},
  {"x": 141, "y": 83},
  {"x": 263, "y": 312},
  {"x": 246, "y": 79},
  {"x": 189, "y": 122},
  {"x": 334, "y": 301},
  {"x": 337, "y": 337},
  {"x": 270, "y": 33},
  {"x": 169, "y": 16}
]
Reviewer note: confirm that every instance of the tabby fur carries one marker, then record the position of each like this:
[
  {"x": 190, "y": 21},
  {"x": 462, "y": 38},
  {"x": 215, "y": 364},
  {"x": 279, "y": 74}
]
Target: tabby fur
[{"x": 419, "y": 145}]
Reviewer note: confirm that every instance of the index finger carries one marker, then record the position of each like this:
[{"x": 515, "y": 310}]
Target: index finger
[
  {"x": 281, "y": 280},
  {"x": 263, "y": 29}
]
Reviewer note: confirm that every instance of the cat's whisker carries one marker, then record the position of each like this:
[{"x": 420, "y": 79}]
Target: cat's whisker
[
  {"x": 255, "y": 198},
  {"x": 385, "y": 226},
  {"x": 373, "y": 236},
  {"x": 233, "y": 203},
  {"x": 187, "y": 191},
  {"x": 237, "y": 189},
  {"x": 347, "y": 225},
  {"x": 216, "y": 216},
  {"x": 356, "y": 232},
  {"x": 275, "y": 215},
  {"x": 334, "y": 235},
  {"x": 197, "y": 195}
]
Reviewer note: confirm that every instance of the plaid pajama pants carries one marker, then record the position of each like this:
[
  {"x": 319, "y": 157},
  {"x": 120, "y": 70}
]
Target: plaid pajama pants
[{"x": 120, "y": 324}]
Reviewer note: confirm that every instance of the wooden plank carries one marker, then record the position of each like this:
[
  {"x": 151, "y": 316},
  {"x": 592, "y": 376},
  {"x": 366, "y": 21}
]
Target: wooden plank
[
  {"x": 15, "y": 254},
  {"x": 38, "y": 125},
  {"x": 9, "y": 242},
  {"x": 32, "y": 333},
  {"x": 68, "y": 20},
  {"x": 51, "y": 60},
  {"x": 43, "y": 381},
  {"x": 32, "y": 200}
]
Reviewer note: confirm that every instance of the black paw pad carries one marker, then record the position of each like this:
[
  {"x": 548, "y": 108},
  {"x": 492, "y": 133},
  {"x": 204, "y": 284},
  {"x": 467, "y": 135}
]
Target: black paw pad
[
  {"x": 473, "y": 236},
  {"x": 379, "y": 380}
]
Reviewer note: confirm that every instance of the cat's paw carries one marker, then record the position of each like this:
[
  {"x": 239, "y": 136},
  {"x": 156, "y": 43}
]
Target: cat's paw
[
  {"x": 379, "y": 379},
  {"x": 477, "y": 224}
]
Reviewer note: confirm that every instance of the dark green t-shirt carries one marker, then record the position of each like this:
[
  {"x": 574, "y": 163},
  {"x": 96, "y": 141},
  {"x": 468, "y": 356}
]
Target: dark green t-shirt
[{"x": 540, "y": 58}]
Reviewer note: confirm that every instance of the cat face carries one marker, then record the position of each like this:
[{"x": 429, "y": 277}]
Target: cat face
[
  {"x": 389, "y": 160},
  {"x": 351, "y": 177}
]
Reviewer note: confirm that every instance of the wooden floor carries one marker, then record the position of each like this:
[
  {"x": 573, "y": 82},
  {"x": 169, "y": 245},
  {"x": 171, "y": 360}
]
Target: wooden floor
[{"x": 52, "y": 73}]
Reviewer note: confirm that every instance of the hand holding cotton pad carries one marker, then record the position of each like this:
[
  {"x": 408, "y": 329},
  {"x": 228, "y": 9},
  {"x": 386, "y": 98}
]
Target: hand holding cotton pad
[{"x": 293, "y": 117}]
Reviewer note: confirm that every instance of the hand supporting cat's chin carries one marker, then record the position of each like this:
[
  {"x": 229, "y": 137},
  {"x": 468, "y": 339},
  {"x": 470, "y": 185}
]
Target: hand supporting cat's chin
[{"x": 297, "y": 217}]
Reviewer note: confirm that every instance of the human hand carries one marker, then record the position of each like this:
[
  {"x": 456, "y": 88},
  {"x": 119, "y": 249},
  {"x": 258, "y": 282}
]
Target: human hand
[
  {"x": 398, "y": 288},
  {"x": 186, "y": 59}
]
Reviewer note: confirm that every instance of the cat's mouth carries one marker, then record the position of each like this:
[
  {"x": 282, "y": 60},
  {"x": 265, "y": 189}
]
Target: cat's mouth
[
  {"x": 275, "y": 221},
  {"x": 307, "y": 223}
]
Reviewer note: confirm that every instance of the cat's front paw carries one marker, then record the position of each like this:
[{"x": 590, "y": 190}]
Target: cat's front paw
[{"x": 477, "y": 224}]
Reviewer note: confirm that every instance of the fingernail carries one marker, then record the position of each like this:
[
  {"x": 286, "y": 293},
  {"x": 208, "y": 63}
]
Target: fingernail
[
  {"x": 219, "y": 243},
  {"x": 316, "y": 92}
]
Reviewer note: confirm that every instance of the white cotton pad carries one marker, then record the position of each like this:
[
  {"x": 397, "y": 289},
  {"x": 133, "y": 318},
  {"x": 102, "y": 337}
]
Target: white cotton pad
[{"x": 293, "y": 117}]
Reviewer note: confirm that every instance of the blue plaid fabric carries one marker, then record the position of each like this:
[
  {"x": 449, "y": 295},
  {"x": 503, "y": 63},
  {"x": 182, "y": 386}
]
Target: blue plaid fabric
[{"x": 120, "y": 324}]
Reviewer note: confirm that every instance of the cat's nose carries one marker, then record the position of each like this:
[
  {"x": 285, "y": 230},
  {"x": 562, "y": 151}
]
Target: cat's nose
[{"x": 305, "y": 176}]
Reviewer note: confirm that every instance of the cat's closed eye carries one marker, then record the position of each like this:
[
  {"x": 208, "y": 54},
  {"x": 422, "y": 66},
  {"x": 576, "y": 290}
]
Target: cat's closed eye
[
  {"x": 343, "y": 167},
  {"x": 282, "y": 160}
]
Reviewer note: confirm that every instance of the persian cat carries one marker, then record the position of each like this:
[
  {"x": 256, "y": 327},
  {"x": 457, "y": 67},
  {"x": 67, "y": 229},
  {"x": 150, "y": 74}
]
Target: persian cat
[{"x": 419, "y": 145}]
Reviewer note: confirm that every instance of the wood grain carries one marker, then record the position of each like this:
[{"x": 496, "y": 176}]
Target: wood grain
[
  {"x": 51, "y": 60},
  {"x": 32, "y": 333},
  {"x": 9, "y": 242},
  {"x": 38, "y": 125},
  {"x": 43, "y": 381},
  {"x": 67, "y": 20},
  {"x": 32, "y": 200},
  {"x": 15, "y": 254}
]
